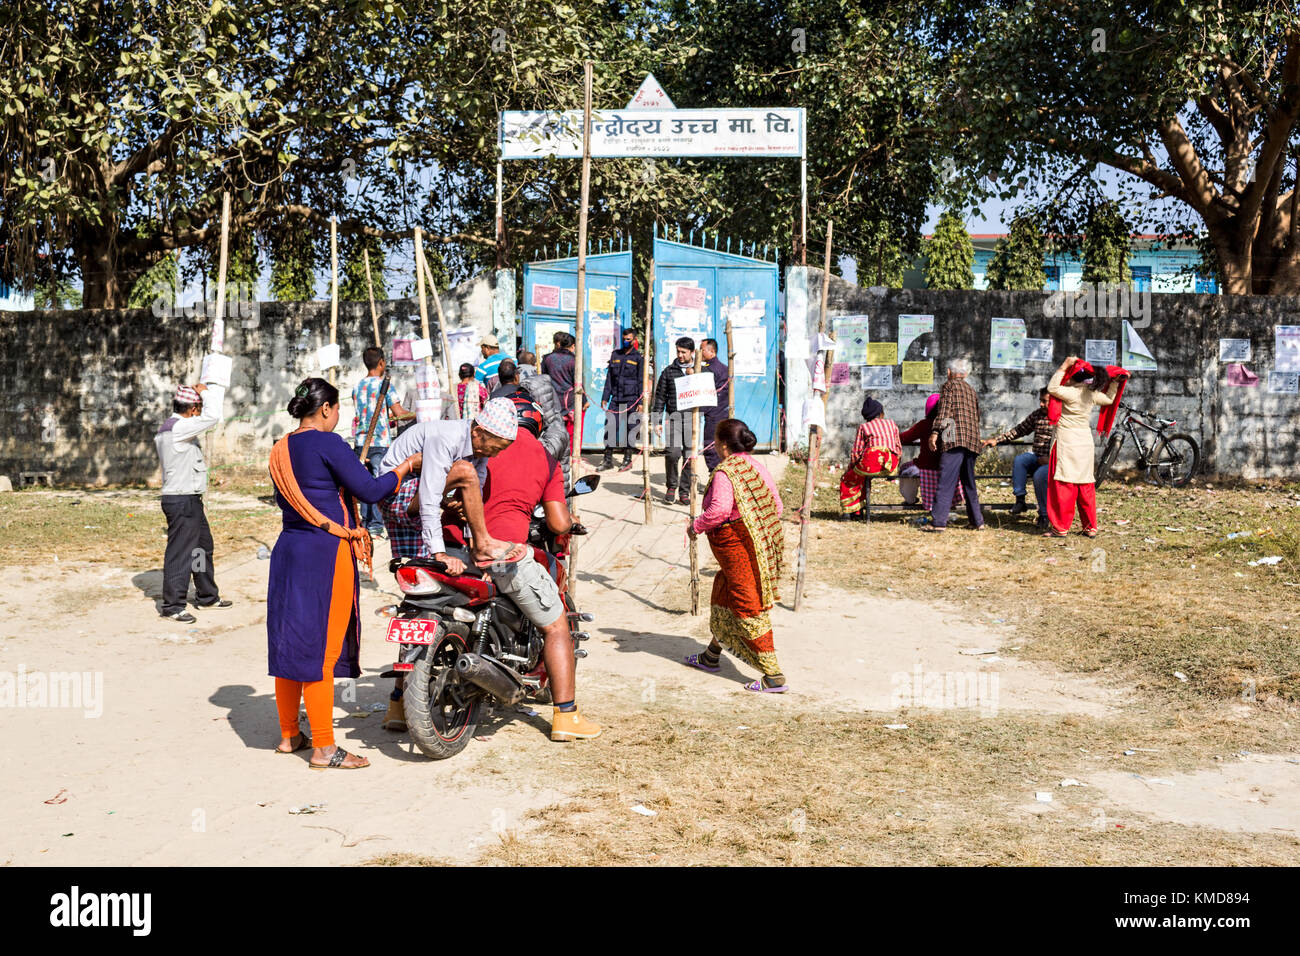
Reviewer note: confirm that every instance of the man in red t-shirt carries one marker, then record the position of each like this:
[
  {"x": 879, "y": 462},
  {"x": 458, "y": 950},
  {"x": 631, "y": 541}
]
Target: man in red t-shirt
[{"x": 520, "y": 478}]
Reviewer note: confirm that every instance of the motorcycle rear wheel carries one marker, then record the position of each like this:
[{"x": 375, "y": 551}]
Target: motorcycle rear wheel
[{"x": 441, "y": 712}]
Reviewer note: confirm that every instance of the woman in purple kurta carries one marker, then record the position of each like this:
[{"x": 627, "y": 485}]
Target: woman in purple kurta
[{"x": 312, "y": 622}]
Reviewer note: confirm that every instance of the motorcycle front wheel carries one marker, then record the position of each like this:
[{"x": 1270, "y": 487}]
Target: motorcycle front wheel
[{"x": 441, "y": 711}]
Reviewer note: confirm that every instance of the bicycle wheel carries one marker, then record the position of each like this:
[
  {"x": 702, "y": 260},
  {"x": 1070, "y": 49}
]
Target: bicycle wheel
[
  {"x": 1175, "y": 460},
  {"x": 1107, "y": 459}
]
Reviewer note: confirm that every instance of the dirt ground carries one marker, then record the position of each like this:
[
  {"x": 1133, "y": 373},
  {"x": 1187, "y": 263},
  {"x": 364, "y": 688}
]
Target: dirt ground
[{"x": 923, "y": 725}]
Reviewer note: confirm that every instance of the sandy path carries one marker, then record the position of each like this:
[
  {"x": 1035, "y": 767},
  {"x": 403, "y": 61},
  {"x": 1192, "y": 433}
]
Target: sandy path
[{"x": 178, "y": 768}]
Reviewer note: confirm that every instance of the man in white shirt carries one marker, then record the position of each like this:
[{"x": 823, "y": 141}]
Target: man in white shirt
[
  {"x": 185, "y": 478},
  {"x": 455, "y": 458}
]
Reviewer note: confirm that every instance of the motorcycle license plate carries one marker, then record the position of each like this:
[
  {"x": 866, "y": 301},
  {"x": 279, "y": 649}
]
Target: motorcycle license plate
[{"x": 415, "y": 630}]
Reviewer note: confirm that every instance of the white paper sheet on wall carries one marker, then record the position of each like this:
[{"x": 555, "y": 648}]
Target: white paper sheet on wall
[
  {"x": 327, "y": 357},
  {"x": 216, "y": 369},
  {"x": 751, "y": 351},
  {"x": 421, "y": 349}
]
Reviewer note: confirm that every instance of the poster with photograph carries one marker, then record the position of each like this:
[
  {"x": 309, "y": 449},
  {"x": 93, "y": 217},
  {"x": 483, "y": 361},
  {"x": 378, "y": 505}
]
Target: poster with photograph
[
  {"x": 1234, "y": 350},
  {"x": 544, "y": 338},
  {"x": 1286, "y": 341},
  {"x": 911, "y": 328},
  {"x": 1039, "y": 350},
  {"x": 1007, "y": 343},
  {"x": 402, "y": 352},
  {"x": 878, "y": 376},
  {"x": 1099, "y": 351},
  {"x": 602, "y": 336},
  {"x": 851, "y": 339},
  {"x": 1284, "y": 383}
]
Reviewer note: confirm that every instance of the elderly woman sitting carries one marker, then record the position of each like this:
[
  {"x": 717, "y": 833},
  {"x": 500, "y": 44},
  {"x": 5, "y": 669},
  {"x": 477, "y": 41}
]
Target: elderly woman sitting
[{"x": 876, "y": 451}]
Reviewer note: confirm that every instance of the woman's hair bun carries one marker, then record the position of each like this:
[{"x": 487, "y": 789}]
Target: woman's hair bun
[{"x": 310, "y": 395}]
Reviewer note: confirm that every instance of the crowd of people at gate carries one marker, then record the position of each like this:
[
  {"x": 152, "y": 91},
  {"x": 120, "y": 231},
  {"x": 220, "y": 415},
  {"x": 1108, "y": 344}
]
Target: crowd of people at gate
[{"x": 502, "y": 451}]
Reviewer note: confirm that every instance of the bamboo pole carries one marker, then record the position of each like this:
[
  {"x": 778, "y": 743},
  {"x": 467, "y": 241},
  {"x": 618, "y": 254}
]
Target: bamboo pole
[
  {"x": 575, "y": 452},
  {"x": 695, "y": 501},
  {"x": 370, "y": 291},
  {"x": 334, "y": 292},
  {"x": 645, "y": 397},
  {"x": 814, "y": 438},
  {"x": 381, "y": 404},
  {"x": 442, "y": 338},
  {"x": 219, "y": 322},
  {"x": 731, "y": 372},
  {"x": 424, "y": 305}
]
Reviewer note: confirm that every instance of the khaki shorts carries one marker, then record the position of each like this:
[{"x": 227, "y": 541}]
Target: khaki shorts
[{"x": 532, "y": 589}]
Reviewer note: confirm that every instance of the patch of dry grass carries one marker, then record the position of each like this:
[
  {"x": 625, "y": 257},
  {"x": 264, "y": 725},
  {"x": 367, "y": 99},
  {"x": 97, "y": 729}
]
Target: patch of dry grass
[
  {"x": 1162, "y": 589},
  {"x": 120, "y": 526},
  {"x": 836, "y": 789}
]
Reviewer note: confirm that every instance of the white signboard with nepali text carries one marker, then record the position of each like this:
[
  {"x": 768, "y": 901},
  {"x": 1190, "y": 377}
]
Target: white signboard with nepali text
[
  {"x": 707, "y": 132},
  {"x": 696, "y": 391}
]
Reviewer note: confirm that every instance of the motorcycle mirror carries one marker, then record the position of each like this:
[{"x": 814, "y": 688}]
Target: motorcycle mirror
[{"x": 585, "y": 485}]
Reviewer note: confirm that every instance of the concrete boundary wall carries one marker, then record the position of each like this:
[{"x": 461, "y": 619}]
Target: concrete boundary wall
[
  {"x": 83, "y": 392},
  {"x": 1246, "y": 432}
]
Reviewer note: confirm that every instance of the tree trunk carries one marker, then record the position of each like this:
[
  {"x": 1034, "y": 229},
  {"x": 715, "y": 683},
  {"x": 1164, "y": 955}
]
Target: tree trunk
[{"x": 107, "y": 274}]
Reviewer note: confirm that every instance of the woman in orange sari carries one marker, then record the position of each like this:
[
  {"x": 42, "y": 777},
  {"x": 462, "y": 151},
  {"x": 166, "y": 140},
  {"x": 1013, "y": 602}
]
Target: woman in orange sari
[
  {"x": 312, "y": 624},
  {"x": 742, "y": 518}
]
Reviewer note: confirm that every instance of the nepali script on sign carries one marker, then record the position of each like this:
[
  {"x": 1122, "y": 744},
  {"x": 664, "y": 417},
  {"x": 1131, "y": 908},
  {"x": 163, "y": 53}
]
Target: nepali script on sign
[{"x": 714, "y": 132}]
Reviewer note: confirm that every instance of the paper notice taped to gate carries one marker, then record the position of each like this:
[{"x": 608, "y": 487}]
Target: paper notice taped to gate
[
  {"x": 751, "y": 351},
  {"x": 546, "y": 296},
  {"x": 601, "y": 300},
  {"x": 421, "y": 349},
  {"x": 696, "y": 391}
]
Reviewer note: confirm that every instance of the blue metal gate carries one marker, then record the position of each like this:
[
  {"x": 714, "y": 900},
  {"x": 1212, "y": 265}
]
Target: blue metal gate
[
  {"x": 732, "y": 283},
  {"x": 550, "y": 306}
]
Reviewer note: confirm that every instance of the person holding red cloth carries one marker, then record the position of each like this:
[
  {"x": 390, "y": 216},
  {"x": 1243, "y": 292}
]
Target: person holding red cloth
[{"x": 1074, "y": 389}]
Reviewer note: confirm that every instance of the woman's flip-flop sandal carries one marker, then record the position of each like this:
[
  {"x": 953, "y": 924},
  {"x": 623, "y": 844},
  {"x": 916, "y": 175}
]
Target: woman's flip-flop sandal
[
  {"x": 693, "y": 660},
  {"x": 336, "y": 762},
  {"x": 760, "y": 687},
  {"x": 303, "y": 744}
]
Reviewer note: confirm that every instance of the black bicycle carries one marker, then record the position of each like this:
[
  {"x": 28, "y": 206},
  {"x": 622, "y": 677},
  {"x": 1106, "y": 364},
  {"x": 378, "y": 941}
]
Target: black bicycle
[{"x": 1170, "y": 459}]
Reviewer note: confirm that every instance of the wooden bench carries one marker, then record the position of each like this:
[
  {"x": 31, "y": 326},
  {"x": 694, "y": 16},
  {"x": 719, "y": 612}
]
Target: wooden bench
[{"x": 903, "y": 506}]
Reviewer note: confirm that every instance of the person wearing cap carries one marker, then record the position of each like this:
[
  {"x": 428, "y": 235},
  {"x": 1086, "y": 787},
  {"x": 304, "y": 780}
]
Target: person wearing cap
[
  {"x": 486, "y": 372},
  {"x": 720, "y": 412},
  {"x": 621, "y": 401},
  {"x": 520, "y": 479},
  {"x": 455, "y": 459},
  {"x": 195, "y": 409}
]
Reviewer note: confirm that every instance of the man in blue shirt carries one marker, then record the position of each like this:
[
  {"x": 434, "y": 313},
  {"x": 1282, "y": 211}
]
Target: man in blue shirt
[
  {"x": 365, "y": 397},
  {"x": 486, "y": 372}
]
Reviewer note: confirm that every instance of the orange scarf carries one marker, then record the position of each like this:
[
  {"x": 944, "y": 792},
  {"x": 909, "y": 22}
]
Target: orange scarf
[{"x": 358, "y": 538}]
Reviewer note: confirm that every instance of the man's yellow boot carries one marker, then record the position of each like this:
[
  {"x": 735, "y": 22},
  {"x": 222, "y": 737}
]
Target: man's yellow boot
[
  {"x": 572, "y": 726},
  {"x": 395, "y": 719}
]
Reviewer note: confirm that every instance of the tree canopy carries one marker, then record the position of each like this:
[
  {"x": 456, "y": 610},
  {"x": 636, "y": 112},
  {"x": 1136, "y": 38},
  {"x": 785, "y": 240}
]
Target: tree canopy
[{"x": 1193, "y": 102}]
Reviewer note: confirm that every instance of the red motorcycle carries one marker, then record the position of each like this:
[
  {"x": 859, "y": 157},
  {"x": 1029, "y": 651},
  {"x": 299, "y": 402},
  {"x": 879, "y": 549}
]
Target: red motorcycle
[{"x": 463, "y": 647}]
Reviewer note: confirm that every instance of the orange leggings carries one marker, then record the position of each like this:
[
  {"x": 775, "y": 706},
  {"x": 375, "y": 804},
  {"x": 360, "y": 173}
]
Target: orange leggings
[{"x": 319, "y": 694}]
